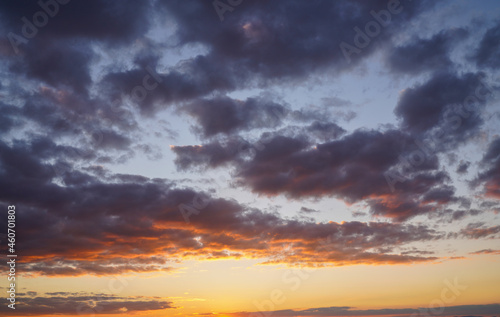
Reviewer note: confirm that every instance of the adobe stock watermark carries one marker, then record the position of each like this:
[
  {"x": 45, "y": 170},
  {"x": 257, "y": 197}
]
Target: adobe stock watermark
[
  {"x": 201, "y": 201},
  {"x": 198, "y": 203},
  {"x": 221, "y": 7},
  {"x": 61, "y": 168},
  {"x": 293, "y": 278},
  {"x": 150, "y": 82},
  {"x": 29, "y": 30},
  {"x": 95, "y": 304},
  {"x": 372, "y": 29},
  {"x": 426, "y": 149},
  {"x": 448, "y": 295},
  {"x": 242, "y": 147}
]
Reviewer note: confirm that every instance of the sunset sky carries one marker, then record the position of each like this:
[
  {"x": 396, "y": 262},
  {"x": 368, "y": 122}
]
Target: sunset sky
[{"x": 237, "y": 158}]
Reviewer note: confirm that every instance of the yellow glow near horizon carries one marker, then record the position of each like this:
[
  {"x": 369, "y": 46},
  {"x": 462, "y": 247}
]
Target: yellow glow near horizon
[{"x": 230, "y": 286}]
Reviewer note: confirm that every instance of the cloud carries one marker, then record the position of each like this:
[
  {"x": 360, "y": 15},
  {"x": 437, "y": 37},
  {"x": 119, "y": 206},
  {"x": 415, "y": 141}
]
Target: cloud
[
  {"x": 420, "y": 55},
  {"x": 490, "y": 178},
  {"x": 213, "y": 154},
  {"x": 190, "y": 79},
  {"x": 482, "y": 310},
  {"x": 223, "y": 115},
  {"x": 463, "y": 167},
  {"x": 352, "y": 168},
  {"x": 56, "y": 119},
  {"x": 307, "y": 210},
  {"x": 433, "y": 104},
  {"x": 488, "y": 51},
  {"x": 283, "y": 45},
  {"x": 57, "y": 60},
  {"x": 101, "y": 266},
  {"x": 65, "y": 303},
  {"x": 112, "y": 140},
  {"x": 478, "y": 230},
  {"x": 486, "y": 251},
  {"x": 325, "y": 131},
  {"x": 8, "y": 117},
  {"x": 117, "y": 24}
]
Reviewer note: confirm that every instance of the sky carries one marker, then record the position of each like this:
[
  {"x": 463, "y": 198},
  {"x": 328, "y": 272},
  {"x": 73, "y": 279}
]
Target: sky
[{"x": 237, "y": 158}]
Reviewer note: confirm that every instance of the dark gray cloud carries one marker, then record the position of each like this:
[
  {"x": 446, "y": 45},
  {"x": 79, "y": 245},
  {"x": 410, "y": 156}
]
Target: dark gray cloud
[
  {"x": 252, "y": 48},
  {"x": 223, "y": 115},
  {"x": 488, "y": 52},
  {"x": 423, "y": 107},
  {"x": 352, "y": 168},
  {"x": 90, "y": 20},
  {"x": 463, "y": 167},
  {"x": 56, "y": 303},
  {"x": 490, "y": 177},
  {"x": 325, "y": 131},
  {"x": 112, "y": 140},
  {"x": 193, "y": 78},
  {"x": 55, "y": 61},
  {"x": 284, "y": 44},
  {"x": 307, "y": 210},
  {"x": 212, "y": 154},
  {"x": 476, "y": 310},
  {"x": 486, "y": 251},
  {"x": 419, "y": 55},
  {"x": 479, "y": 230},
  {"x": 8, "y": 117}
]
